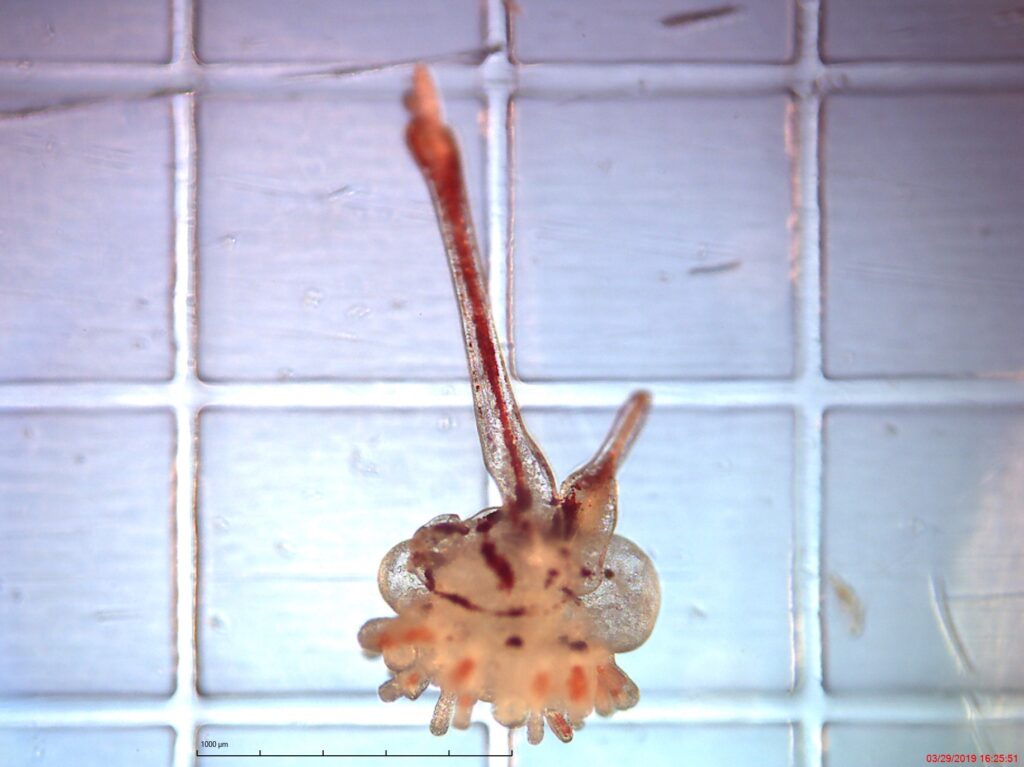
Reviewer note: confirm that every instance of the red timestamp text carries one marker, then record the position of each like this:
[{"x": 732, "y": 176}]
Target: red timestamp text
[{"x": 972, "y": 759}]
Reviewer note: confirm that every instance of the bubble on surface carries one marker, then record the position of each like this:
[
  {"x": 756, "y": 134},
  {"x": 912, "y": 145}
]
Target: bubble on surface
[{"x": 311, "y": 298}]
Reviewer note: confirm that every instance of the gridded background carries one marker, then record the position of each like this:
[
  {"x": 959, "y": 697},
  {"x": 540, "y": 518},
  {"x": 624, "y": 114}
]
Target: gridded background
[{"x": 230, "y": 362}]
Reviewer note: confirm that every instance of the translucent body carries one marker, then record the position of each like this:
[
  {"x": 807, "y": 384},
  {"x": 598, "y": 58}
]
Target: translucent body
[{"x": 526, "y": 604}]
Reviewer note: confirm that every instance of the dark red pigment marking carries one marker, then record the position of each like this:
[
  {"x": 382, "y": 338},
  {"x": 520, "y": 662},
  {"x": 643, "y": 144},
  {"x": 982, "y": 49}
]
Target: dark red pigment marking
[
  {"x": 458, "y": 599},
  {"x": 609, "y": 573},
  {"x": 484, "y": 525},
  {"x": 586, "y": 572},
  {"x": 468, "y": 604},
  {"x": 514, "y": 641},
  {"x": 567, "y": 521},
  {"x": 577, "y": 645},
  {"x": 498, "y": 565},
  {"x": 443, "y": 171},
  {"x": 552, "y": 574}
]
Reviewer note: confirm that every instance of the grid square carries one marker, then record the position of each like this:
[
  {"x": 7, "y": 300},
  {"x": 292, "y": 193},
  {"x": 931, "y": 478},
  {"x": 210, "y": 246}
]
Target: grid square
[
  {"x": 652, "y": 30},
  {"x": 94, "y": 747},
  {"x": 928, "y": 30},
  {"x": 923, "y": 235},
  {"x": 296, "y": 510},
  {"x": 708, "y": 495},
  {"x": 657, "y": 228},
  {"x": 921, "y": 527},
  {"x": 71, "y": 30},
  {"x": 660, "y": 745},
  {"x": 86, "y": 553},
  {"x": 326, "y": 30},
  {"x": 397, "y": 741},
  {"x": 869, "y": 745},
  {"x": 319, "y": 251},
  {"x": 85, "y": 229}
]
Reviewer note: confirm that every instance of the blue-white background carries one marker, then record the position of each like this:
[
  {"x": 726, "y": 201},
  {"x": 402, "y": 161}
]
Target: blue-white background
[{"x": 231, "y": 375}]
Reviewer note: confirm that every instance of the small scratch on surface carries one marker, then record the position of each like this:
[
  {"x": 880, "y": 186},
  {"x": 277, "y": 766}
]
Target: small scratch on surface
[
  {"x": 1011, "y": 16},
  {"x": 686, "y": 18},
  {"x": 289, "y": 332},
  {"x": 725, "y": 266},
  {"x": 940, "y": 604},
  {"x": 108, "y": 616},
  {"x": 1003, "y": 375},
  {"x": 346, "y": 190},
  {"x": 88, "y": 101},
  {"x": 850, "y": 604},
  {"x": 474, "y": 56},
  {"x": 995, "y": 597}
]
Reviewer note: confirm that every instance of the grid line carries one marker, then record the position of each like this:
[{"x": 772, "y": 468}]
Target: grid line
[
  {"x": 186, "y": 414},
  {"x": 807, "y": 452}
]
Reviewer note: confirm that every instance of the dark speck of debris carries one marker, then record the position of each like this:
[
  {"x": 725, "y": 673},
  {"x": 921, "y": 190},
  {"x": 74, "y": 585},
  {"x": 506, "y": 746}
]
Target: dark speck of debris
[
  {"x": 850, "y": 604},
  {"x": 725, "y": 266},
  {"x": 696, "y": 17}
]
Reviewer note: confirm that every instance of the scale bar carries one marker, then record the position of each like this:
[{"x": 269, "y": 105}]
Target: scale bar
[{"x": 385, "y": 755}]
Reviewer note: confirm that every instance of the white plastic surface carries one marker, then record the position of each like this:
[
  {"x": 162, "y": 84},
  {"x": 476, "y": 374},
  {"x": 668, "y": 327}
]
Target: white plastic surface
[
  {"x": 289, "y": 548},
  {"x": 652, "y": 30},
  {"x": 924, "y": 272},
  {"x": 85, "y": 233},
  {"x": 922, "y": 520},
  {"x": 61, "y": 746},
  {"x": 129, "y": 31},
  {"x": 930, "y": 30},
  {"x": 85, "y": 557},
  {"x": 867, "y": 745},
  {"x": 675, "y": 205},
  {"x": 332, "y": 31},
  {"x": 319, "y": 253},
  {"x": 668, "y": 745}
]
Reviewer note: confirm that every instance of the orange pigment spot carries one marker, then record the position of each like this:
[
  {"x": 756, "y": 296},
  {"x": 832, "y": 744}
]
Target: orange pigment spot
[
  {"x": 541, "y": 683},
  {"x": 418, "y": 634},
  {"x": 384, "y": 641},
  {"x": 463, "y": 670},
  {"x": 577, "y": 684}
]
